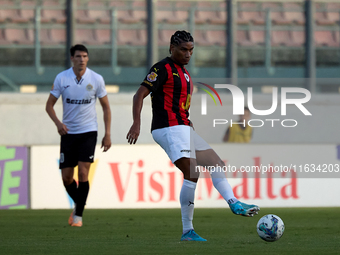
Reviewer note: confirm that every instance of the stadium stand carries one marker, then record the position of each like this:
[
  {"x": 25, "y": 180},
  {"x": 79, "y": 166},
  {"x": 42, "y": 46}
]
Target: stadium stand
[
  {"x": 132, "y": 37},
  {"x": 27, "y": 14},
  {"x": 19, "y": 36},
  {"x": 49, "y": 14},
  {"x": 94, "y": 28},
  {"x": 294, "y": 13},
  {"x": 164, "y": 36},
  {"x": 12, "y": 15},
  {"x": 103, "y": 35},
  {"x": 251, "y": 14}
]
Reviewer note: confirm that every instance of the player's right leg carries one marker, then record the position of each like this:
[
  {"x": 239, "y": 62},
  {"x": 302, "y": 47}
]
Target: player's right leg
[
  {"x": 187, "y": 198},
  {"x": 70, "y": 186},
  {"x": 67, "y": 162},
  {"x": 176, "y": 143}
]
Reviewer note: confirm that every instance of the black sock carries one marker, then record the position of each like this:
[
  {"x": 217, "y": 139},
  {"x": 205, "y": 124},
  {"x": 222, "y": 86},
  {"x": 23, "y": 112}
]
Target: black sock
[
  {"x": 83, "y": 191},
  {"x": 72, "y": 190}
]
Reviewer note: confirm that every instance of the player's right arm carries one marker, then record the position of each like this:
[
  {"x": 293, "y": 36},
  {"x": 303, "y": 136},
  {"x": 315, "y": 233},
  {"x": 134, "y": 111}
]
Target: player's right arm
[
  {"x": 138, "y": 98},
  {"x": 62, "y": 129}
]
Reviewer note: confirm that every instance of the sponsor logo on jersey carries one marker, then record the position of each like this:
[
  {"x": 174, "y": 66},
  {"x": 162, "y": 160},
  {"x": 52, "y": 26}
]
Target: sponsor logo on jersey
[
  {"x": 152, "y": 77},
  {"x": 89, "y": 87},
  {"x": 75, "y": 101},
  {"x": 149, "y": 83},
  {"x": 186, "y": 77},
  {"x": 175, "y": 74}
]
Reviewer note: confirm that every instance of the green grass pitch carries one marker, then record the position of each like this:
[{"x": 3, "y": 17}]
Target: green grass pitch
[{"x": 158, "y": 231}]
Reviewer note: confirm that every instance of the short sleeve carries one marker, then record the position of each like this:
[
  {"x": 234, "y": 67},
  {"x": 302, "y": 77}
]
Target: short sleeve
[
  {"x": 156, "y": 77},
  {"x": 101, "y": 91},
  {"x": 56, "y": 91}
]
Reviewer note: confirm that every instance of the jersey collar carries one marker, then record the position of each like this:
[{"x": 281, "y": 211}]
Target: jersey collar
[{"x": 74, "y": 76}]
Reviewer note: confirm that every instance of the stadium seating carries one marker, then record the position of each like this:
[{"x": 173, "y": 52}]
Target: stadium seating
[
  {"x": 2, "y": 38},
  {"x": 12, "y": 15},
  {"x": 293, "y": 13},
  {"x": 86, "y": 36},
  {"x": 281, "y": 38},
  {"x": 217, "y": 37},
  {"x": 166, "y": 14},
  {"x": 103, "y": 36},
  {"x": 139, "y": 11},
  {"x": 19, "y": 36},
  {"x": 164, "y": 37},
  {"x": 277, "y": 17},
  {"x": 132, "y": 37},
  {"x": 331, "y": 14},
  {"x": 103, "y": 16},
  {"x": 52, "y": 15},
  {"x": 325, "y": 38},
  {"x": 243, "y": 39},
  {"x": 209, "y": 15},
  {"x": 27, "y": 14},
  {"x": 257, "y": 37},
  {"x": 298, "y": 38},
  {"x": 251, "y": 15},
  {"x": 53, "y": 36}
]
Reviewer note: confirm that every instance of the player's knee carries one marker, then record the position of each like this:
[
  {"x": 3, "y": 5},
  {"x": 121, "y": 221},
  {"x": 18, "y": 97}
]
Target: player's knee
[
  {"x": 67, "y": 180},
  {"x": 83, "y": 177}
]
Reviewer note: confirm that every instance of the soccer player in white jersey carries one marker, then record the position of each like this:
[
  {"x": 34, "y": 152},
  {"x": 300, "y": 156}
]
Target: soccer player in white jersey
[{"x": 79, "y": 87}]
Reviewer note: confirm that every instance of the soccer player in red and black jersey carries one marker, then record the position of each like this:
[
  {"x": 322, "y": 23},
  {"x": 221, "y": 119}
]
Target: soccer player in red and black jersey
[{"x": 171, "y": 87}]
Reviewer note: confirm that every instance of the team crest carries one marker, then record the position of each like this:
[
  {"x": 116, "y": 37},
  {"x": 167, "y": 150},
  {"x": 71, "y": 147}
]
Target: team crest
[
  {"x": 186, "y": 77},
  {"x": 89, "y": 87},
  {"x": 152, "y": 77}
]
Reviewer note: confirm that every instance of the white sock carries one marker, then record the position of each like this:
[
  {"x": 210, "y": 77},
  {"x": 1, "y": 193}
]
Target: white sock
[
  {"x": 223, "y": 187},
  {"x": 76, "y": 218},
  {"x": 186, "y": 198}
]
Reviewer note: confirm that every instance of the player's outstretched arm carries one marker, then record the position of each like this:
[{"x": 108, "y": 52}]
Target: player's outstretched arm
[
  {"x": 62, "y": 129},
  {"x": 106, "y": 142},
  {"x": 138, "y": 98}
]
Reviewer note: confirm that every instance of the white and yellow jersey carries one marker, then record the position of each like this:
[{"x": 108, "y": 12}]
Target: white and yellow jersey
[
  {"x": 239, "y": 134},
  {"x": 79, "y": 99}
]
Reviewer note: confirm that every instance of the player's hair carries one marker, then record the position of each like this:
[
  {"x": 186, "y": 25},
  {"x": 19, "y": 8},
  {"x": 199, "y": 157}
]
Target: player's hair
[
  {"x": 179, "y": 37},
  {"x": 79, "y": 47}
]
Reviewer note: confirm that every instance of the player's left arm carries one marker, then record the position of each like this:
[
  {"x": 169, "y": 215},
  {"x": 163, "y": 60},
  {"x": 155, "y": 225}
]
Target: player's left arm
[{"x": 106, "y": 142}]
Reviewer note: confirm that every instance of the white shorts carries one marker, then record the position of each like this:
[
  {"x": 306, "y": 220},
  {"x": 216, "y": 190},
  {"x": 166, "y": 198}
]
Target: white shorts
[{"x": 179, "y": 141}]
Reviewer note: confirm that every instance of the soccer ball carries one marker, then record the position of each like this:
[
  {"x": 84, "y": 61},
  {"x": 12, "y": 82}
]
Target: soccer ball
[{"x": 270, "y": 228}]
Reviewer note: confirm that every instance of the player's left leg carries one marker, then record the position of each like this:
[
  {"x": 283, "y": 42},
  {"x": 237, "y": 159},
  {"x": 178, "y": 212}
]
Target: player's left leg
[
  {"x": 83, "y": 191},
  {"x": 209, "y": 157},
  {"x": 86, "y": 147}
]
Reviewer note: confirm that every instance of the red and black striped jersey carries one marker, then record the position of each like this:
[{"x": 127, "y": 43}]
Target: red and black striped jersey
[{"x": 171, "y": 88}]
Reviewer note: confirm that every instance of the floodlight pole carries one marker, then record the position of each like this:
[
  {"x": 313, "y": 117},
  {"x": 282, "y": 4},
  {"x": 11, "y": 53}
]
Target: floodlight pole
[
  {"x": 70, "y": 29},
  {"x": 310, "y": 47},
  {"x": 152, "y": 26},
  {"x": 231, "y": 41}
]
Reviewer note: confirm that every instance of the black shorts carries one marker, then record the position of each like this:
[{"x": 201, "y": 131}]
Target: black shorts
[{"x": 77, "y": 147}]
